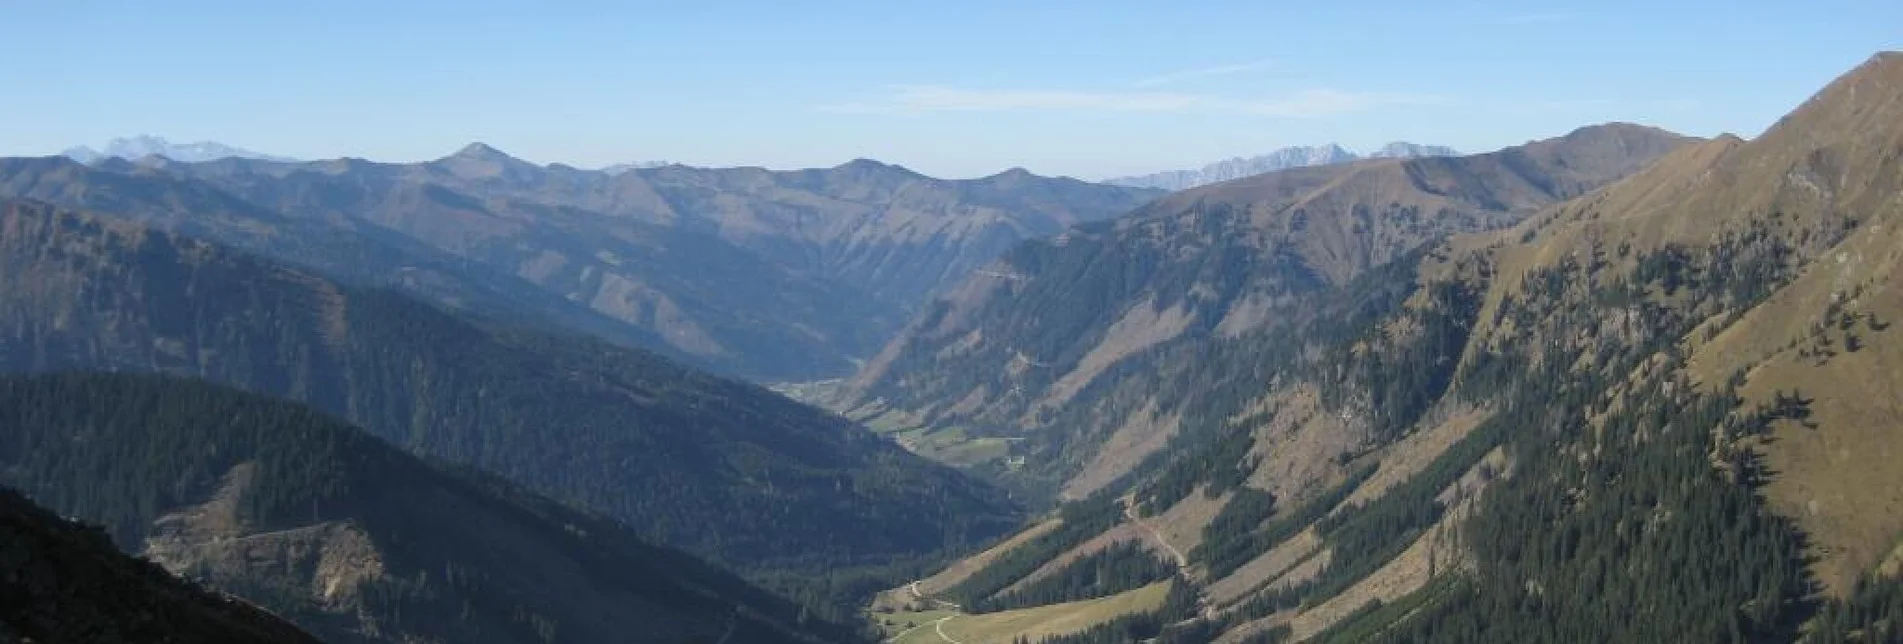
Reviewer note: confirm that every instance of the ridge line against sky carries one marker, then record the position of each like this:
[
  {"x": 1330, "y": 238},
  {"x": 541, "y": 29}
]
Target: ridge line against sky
[{"x": 1085, "y": 89}]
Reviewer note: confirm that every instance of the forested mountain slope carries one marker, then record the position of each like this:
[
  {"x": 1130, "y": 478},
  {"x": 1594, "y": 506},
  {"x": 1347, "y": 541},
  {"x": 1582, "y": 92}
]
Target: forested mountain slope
[
  {"x": 1042, "y": 344},
  {"x": 345, "y": 535},
  {"x": 719, "y": 467},
  {"x": 1660, "y": 411},
  {"x": 770, "y": 275}
]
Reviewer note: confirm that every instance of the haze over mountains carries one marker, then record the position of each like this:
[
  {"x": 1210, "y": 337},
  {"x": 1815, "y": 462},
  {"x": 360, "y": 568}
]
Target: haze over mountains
[
  {"x": 1615, "y": 385},
  {"x": 770, "y": 275},
  {"x": 683, "y": 457},
  {"x": 1283, "y": 159}
]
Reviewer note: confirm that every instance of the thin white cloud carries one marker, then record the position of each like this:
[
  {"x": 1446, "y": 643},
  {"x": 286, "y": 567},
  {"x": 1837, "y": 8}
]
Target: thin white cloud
[
  {"x": 1204, "y": 72},
  {"x": 1602, "y": 104},
  {"x": 932, "y": 98},
  {"x": 925, "y": 99},
  {"x": 1539, "y": 18}
]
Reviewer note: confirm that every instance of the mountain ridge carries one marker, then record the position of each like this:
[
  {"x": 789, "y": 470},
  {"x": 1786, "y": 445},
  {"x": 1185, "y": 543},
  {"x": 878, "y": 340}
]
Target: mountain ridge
[{"x": 770, "y": 275}]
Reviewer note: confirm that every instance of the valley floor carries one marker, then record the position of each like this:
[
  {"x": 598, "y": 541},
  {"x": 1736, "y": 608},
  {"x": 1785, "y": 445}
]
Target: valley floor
[{"x": 938, "y": 621}]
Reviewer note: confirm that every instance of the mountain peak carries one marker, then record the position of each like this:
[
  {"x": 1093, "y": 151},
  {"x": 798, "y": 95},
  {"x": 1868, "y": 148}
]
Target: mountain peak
[
  {"x": 863, "y": 164},
  {"x": 872, "y": 167},
  {"x": 481, "y": 161},
  {"x": 1868, "y": 85},
  {"x": 481, "y": 151},
  {"x": 1613, "y": 127}
]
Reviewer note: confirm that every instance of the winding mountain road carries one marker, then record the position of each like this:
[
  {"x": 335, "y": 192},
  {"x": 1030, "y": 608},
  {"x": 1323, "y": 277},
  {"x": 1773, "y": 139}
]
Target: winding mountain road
[
  {"x": 938, "y": 625},
  {"x": 1130, "y": 512},
  {"x": 1182, "y": 562}
]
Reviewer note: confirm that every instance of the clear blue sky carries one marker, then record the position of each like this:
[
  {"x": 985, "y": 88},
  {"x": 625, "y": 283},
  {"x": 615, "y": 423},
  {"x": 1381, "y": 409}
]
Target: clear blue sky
[{"x": 962, "y": 88}]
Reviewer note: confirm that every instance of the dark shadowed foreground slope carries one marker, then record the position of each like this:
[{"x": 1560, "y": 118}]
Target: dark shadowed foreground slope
[
  {"x": 716, "y": 466},
  {"x": 351, "y": 538},
  {"x": 64, "y": 583}
]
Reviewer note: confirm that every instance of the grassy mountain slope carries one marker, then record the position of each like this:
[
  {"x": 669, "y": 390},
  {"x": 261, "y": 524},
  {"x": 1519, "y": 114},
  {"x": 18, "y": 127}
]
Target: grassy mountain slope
[
  {"x": 1656, "y": 412},
  {"x": 1044, "y": 338},
  {"x": 719, "y": 467},
  {"x": 1820, "y": 191},
  {"x": 348, "y": 536}
]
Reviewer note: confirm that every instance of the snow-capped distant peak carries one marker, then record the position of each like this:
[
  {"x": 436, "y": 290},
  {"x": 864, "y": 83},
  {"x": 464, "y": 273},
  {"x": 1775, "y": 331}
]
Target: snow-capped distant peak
[
  {"x": 1283, "y": 159},
  {"x": 139, "y": 147}
]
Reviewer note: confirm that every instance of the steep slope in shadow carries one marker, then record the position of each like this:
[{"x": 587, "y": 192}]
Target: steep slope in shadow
[
  {"x": 352, "y": 538},
  {"x": 719, "y": 467}
]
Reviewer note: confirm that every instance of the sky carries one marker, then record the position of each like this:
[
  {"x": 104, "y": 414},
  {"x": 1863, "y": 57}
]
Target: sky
[{"x": 954, "y": 89}]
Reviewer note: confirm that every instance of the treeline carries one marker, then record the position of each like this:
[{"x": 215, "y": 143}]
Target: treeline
[
  {"x": 1238, "y": 535},
  {"x": 1179, "y": 605},
  {"x": 1212, "y": 383},
  {"x": 1619, "y": 528},
  {"x": 1078, "y": 522},
  {"x": 1661, "y": 548},
  {"x": 1872, "y": 613},
  {"x": 1123, "y": 566},
  {"x": 1393, "y": 378},
  {"x": 1222, "y": 463},
  {"x": 1362, "y": 538}
]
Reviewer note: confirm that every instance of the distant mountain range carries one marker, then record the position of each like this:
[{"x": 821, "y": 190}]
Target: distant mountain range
[
  {"x": 770, "y": 275},
  {"x": 1283, "y": 159},
  {"x": 142, "y": 146}
]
